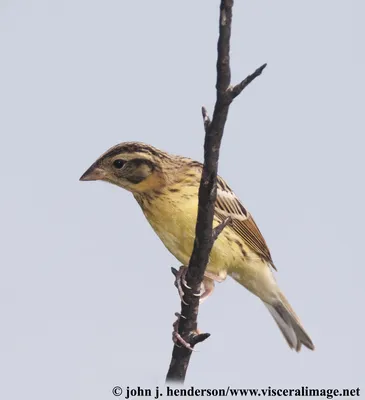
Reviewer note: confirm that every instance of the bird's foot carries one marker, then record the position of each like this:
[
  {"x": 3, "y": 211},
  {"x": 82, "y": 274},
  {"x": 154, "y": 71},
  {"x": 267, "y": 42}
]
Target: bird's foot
[
  {"x": 180, "y": 282},
  {"x": 206, "y": 289},
  {"x": 177, "y": 338}
]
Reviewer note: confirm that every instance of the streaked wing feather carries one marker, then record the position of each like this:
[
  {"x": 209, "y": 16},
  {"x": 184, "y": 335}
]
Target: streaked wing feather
[{"x": 243, "y": 224}]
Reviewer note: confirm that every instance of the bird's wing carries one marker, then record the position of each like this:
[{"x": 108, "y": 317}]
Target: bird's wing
[{"x": 228, "y": 205}]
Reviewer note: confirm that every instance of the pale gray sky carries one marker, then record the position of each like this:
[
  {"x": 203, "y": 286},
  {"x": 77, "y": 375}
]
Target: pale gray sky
[{"x": 80, "y": 265}]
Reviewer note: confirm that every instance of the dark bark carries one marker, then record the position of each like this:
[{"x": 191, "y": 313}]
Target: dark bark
[{"x": 205, "y": 234}]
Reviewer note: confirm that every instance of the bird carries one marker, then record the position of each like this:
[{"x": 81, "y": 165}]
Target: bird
[{"x": 166, "y": 188}]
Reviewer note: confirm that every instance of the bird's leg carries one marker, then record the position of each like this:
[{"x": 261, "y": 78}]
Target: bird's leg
[
  {"x": 180, "y": 282},
  {"x": 206, "y": 290},
  {"x": 176, "y": 337}
]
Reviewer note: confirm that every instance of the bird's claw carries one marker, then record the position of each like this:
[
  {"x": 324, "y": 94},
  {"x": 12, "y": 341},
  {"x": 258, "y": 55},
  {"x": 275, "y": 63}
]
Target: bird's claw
[
  {"x": 176, "y": 337},
  {"x": 185, "y": 284},
  {"x": 200, "y": 293},
  {"x": 180, "y": 281},
  {"x": 206, "y": 288}
]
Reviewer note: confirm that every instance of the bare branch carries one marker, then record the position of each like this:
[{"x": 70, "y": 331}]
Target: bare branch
[
  {"x": 218, "y": 229},
  {"x": 223, "y": 47},
  {"x": 206, "y": 118},
  {"x": 236, "y": 90},
  {"x": 205, "y": 235},
  {"x": 199, "y": 338}
]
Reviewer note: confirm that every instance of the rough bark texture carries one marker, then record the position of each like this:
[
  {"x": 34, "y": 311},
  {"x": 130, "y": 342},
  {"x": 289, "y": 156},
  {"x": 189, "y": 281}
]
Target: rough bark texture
[{"x": 205, "y": 234}]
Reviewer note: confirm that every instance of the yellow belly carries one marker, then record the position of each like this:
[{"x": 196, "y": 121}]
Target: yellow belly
[{"x": 173, "y": 218}]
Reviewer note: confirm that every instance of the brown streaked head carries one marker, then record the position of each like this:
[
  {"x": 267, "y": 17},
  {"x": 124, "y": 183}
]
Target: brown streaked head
[{"x": 131, "y": 165}]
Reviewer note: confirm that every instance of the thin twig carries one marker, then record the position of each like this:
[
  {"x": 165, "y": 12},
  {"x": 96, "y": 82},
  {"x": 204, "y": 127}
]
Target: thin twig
[
  {"x": 236, "y": 90},
  {"x": 206, "y": 118},
  {"x": 218, "y": 229},
  {"x": 204, "y": 233}
]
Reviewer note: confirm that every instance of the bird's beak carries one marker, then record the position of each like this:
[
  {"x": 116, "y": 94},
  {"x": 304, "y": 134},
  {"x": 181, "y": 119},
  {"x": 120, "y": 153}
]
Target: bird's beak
[{"x": 94, "y": 173}]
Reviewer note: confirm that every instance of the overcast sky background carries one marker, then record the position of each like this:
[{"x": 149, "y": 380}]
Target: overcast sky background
[{"x": 79, "y": 263}]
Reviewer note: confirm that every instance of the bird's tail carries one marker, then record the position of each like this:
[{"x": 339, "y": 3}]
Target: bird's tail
[{"x": 289, "y": 323}]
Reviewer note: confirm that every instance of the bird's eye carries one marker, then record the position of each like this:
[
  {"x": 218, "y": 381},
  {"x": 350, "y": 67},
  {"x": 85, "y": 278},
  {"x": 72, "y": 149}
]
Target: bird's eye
[{"x": 118, "y": 164}]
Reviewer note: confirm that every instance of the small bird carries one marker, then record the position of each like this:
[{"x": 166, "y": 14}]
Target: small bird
[{"x": 166, "y": 188}]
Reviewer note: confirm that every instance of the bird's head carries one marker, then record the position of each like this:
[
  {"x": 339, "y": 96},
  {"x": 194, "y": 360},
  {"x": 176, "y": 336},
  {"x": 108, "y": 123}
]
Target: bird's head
[{"x": 134, "y": 166}]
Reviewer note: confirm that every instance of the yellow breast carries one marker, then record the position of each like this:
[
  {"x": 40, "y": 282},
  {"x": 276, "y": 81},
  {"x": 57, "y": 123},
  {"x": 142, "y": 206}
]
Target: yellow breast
[{"x": 173, "y": 215}]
